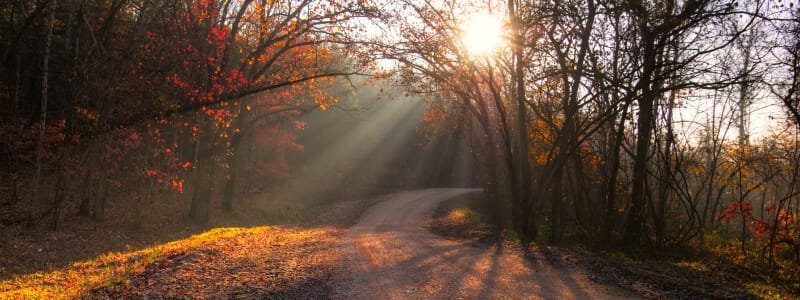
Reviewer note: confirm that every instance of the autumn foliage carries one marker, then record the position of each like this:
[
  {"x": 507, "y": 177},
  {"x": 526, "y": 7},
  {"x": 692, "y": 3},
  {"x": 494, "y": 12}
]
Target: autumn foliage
[
  {"x": 160, "y": 97},
  {"x": 614, "y": 124}
]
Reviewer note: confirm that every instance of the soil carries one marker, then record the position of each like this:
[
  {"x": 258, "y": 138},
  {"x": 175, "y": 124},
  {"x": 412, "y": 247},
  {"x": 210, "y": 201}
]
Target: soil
[
  {"x": 653, "y": 279},
  {"x": 288, "y": 255},
  {"x": 393, "y": 257},
  {"x": 399, "y": 246}
]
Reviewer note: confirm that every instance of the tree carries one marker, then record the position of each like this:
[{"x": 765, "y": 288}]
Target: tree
[{"x": 166, "y": 77}]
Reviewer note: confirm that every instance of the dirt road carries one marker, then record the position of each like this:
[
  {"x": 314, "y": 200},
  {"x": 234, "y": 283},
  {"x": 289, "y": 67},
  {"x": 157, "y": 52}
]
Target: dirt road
[{"x": 392, "y": 257}]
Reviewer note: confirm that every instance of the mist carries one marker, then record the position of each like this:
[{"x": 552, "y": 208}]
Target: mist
[{"x": 373, "y": 142}]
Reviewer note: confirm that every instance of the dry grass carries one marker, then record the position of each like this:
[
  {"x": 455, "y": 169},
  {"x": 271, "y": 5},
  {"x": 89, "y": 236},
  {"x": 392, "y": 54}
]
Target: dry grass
[
  {"x": 110, "y": 269},
  {"x": 164, "y": 257},
  {"x": 461, "y": 218},
  {"x": 673, "y": 275}
]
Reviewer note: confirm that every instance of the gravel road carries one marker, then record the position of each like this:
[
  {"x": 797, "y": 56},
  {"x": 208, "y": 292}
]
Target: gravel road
[{"x": 390, "y": 256}]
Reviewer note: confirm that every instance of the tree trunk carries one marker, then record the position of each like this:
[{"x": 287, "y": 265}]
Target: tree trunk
[
  {"x": 199, "y": 213},
  {"x": 557, "y": 208},
  {"x": 86, "y": 188},
  {"x": 99, "y": 200},
  {"x": 230, "y": 179},
  {"x": 527, "y": 220},
  {"x": 610, "y": 221},
  {"x": 635, "y": 227},
  {"x": 660, "y": 207},
  {"x": 43, "y": 114},
  {"x": 494, "y": 183},
  {"x": 233, "y": 163},
  {"x": 61, "y": 191},
  {"x": 634, "y": 230}
]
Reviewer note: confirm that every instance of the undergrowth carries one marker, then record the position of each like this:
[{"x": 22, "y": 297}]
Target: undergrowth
[{"x": 715, "y": 270}]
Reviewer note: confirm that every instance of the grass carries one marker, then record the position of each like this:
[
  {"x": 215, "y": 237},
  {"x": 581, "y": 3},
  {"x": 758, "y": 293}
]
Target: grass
[
  {"x": 85, "y": 257},
  {"x": 112, "y": 269},
  {"x": 676, "y": 273},
  {"x": 463, "y": 217},
  {"x": 693, "y": 265}
]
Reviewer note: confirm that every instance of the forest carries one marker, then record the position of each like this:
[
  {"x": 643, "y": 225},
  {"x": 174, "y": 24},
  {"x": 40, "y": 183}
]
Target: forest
[{"x": 620, "y": 125}]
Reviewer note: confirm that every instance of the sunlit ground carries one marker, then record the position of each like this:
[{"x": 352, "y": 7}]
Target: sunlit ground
[
  {"x": 347, "y": 155},
  {"x": 111, "y": 269}
]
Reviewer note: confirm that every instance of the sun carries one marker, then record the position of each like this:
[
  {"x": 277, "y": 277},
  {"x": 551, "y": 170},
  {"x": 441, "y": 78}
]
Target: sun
[{"x": 481, "y": 33}]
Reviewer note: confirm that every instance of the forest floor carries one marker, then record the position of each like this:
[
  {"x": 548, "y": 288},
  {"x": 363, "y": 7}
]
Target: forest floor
[
  {"x": 391, "y": 256},
  {"x": 294, "y": 256},
  {"x": 302, "y": 256},
  {"x": 681, "y": 274}
]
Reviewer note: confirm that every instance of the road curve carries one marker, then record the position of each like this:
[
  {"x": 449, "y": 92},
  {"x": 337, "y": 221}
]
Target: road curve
[{"x": 390, "y": 256}]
